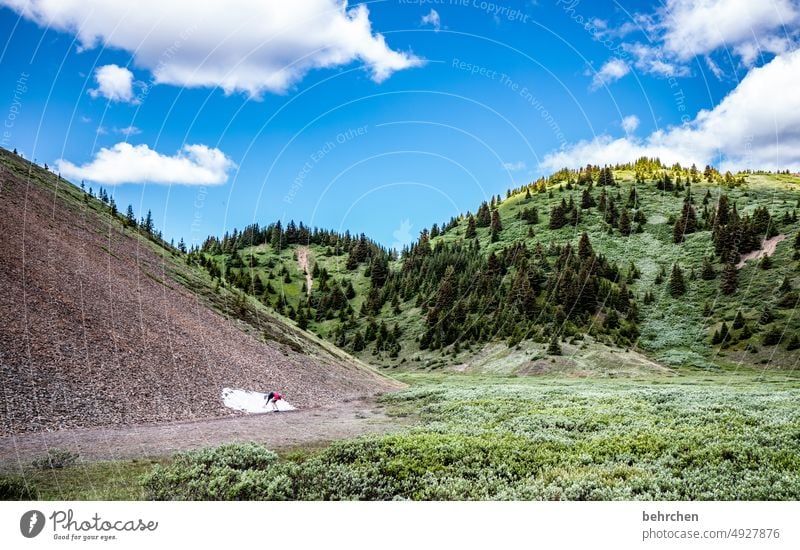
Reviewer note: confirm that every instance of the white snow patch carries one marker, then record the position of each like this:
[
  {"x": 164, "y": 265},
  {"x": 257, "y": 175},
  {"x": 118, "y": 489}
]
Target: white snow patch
[{"x": 250, "y": 401}]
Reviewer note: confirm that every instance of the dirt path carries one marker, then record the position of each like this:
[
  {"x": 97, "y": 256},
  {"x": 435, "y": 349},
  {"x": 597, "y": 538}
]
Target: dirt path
[
  {"x": 302, "y": 259},
  {"x": 767, "y": 249},
  {"x": 276, "y": 430}
]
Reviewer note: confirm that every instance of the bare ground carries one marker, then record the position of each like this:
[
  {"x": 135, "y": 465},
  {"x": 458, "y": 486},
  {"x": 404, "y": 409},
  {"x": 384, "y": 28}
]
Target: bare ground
[
  {"x": 302, "y": 428},
  {"x": 302, "y": 260},
  {"x": 767, "y": 249},
  {"x": 99, "y": 327}
]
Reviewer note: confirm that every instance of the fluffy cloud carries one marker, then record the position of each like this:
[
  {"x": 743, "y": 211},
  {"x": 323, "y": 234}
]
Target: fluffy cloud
[
  {"x": 128, "y": 131},
  {"x": 757, "y": 125},
  {"x": 612, "y": 70},
  {"x": 432, "y": 19},
  {"x": 630, "y": 123},
  {"x": 697, "y": 27},
  {"x": 126, "y": 163},
  {"x": 238, "y": 45},
  {"x": 115, "y": 83},
  {"x": 684, "y": 29}
]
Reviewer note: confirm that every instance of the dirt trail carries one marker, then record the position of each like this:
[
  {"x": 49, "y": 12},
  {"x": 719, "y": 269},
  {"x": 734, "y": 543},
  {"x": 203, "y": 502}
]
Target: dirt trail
[
  {"x": 302, "y": 260},
  {"x": 275, "y": 430},
  {"x": 767, "y": 249}
]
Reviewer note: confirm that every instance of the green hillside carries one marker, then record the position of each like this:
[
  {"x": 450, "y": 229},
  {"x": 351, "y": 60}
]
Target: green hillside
[{"x": 594, "y": 264}]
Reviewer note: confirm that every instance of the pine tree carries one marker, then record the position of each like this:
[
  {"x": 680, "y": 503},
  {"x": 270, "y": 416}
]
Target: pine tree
[
  {"x": 358, "y": 342},
  {"x": 557, "y": 217},
  {"x": 130, "y": 218},
  {"x": 484, "y": 215},
  {"x": 738, "y": 321},
  {"x": 470, "y": 233},
  {"x": 708, "y": 272},
  {"x": 677, "y": 286},
  {"x": 302, "y": 320},
  {"x": 730, "y": 278},
  {"x": 606, "y": 177},
  {"x": 772, "y": 336},
  {"x": 624, "y": 223},
  {"x": 497, "y": 227},
  {"x": 554, "y": 348},
  {"x": 685, "y": 224},
  {"x": 585, "y": 250},
  {"x": 587, "y": 201},
  {"x": 147, "y": 225}
]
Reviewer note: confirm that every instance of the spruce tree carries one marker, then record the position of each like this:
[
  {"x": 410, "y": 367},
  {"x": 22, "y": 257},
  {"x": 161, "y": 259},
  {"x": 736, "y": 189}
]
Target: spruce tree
[
  {"x": 738, "y": 321},
  {"x": 554, "y": 348},
  {"x": 130, "y": 218},
  {"x": 730, "y": 278},
  {"x": 587, "y": 201},
  {"x": 557, "y": 217},
  {"x": 470, "y": 233},
  {"x": 677, "y": 286},
  {"x": 708, "y": 272},
  {"x": 497, "y": 227},
  {"x": 624, "y": 223}
]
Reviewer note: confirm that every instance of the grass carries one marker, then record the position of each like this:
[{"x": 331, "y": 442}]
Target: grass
[{"x": 104, "y": 480}]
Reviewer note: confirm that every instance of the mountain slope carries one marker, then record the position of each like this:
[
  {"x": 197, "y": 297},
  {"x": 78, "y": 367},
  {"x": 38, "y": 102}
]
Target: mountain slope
[
  {"x": 100, "y": 325},
  {"x": 518, "y": 275}
]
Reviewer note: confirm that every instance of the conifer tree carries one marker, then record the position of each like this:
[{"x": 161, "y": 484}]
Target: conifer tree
[
  {"x": 730, "y": 278},
  {"x": 497, "y": 226},
  {"x": 554, "y": 348},
  {"x": 130, "y": 218},
  {"x": 470, "y": 233},
  {"x": 708, "y": 272},
  {"x": 624, "y": 222},
  {"x": 677, "y": 286},
  {"x": 587, "y": 200}
]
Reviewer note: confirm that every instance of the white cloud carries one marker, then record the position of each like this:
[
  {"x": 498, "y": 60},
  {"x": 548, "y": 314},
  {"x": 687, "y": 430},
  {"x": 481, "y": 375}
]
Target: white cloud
[
  {"x": 683, "y": 29},
  {"x": 514, "y": 166},
  {"x": 128, "y": 131},
  {"x": 432, "y": 19},
  {"x": 757, "y": 125},
  {"x": 613, "y": 69},
  {"x": 237, "y": 45},
  {"x": 714, "y": 68},
  {"x": 651, "y": 60},
  {"x": 115, "y": 83},
  {"x": 126, "y": 163},
  {"x": 630, "y": 123},
  {"x": 698, "y": 27}
]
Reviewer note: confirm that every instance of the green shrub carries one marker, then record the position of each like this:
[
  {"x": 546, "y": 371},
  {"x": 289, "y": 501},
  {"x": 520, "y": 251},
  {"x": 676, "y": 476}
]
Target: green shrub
[
  {"x": 228, "y": 472},
  {"x": 55, "y": 459}
]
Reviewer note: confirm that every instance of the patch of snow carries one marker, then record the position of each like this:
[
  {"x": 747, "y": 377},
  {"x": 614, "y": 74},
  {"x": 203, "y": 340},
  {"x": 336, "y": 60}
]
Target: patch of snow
[{"x": 251, "y": 401}]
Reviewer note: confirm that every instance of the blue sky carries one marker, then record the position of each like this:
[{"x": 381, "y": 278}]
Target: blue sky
[{"x": 386, "y": 117}]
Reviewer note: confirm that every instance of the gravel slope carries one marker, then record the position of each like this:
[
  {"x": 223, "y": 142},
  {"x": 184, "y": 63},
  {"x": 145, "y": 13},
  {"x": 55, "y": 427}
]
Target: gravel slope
[{"x": 95, "y": 330}]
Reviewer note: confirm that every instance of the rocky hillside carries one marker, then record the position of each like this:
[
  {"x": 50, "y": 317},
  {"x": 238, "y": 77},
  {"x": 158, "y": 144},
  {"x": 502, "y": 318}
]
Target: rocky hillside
[{"x": 102, "y": 324}]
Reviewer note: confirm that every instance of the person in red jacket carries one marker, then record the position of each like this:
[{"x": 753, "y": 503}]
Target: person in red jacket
[{"x": 272, "y": 399}]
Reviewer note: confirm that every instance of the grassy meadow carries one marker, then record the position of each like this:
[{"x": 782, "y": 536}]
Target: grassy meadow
[{"x": 733, "y": 434}]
